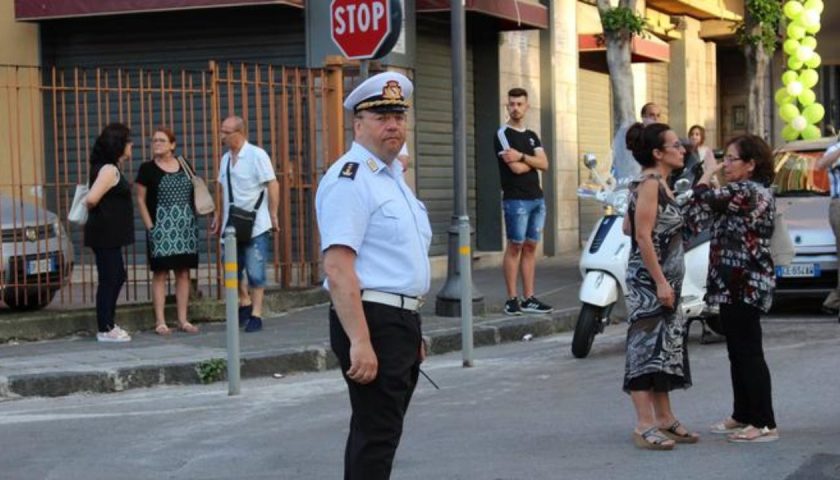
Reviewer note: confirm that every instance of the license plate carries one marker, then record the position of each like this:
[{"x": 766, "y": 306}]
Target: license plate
[
  {"x": 37, "y": 267},
  {"x": 802, "y": 270}
]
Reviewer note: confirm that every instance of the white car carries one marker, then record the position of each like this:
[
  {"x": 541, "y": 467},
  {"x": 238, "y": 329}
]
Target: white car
[
  {"x": 36, "y": 255},
  {"x": 803, "y": 197}
]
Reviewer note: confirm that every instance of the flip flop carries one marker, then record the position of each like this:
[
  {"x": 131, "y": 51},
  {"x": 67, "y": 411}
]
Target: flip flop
[
  {"x": 727, "y": 426},
  {"x": 750, "y": 434},
  {"x": 674, "y": 434},
  {"x": 162, "y": 330},
  {"x": 652, "y": 439},
  {"x": 188, "y": 327}
]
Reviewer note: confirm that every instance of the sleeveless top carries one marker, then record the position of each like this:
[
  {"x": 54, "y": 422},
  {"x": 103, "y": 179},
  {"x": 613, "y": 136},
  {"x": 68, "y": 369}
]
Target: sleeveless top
[{"x": 110, "y": 223}]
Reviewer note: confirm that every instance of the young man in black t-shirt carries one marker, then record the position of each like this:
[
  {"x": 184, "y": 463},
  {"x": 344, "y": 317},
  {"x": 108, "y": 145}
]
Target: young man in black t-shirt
[{"x": 521, "y": 155}]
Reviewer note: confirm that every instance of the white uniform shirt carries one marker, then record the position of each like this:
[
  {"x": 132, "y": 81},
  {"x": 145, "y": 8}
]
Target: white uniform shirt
[
  {"x": 249, "y": 176},
  {"x": 373, "y": 211},
  {"x": 834, "y": 172}
]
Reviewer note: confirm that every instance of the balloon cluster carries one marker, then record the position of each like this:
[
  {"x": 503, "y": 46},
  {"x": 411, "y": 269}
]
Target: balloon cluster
[{"x": 796, "y": 99}]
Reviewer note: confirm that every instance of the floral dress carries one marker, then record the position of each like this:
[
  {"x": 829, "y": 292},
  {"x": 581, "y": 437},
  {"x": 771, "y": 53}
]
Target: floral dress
[{"x": 656, "y": 335}]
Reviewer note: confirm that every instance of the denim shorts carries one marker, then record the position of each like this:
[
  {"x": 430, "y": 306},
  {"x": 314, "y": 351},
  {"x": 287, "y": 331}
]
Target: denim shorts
[
  {"x": 252, "y": 258},
  {"x": 524, "y": 219}
]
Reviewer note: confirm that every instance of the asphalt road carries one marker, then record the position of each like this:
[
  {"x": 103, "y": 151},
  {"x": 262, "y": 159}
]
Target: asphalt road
[{"x": 526, "y": 411}]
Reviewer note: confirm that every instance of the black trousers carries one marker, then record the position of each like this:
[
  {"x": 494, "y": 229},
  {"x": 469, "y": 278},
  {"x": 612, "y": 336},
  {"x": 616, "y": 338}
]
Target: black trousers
[
  {"x": 753, "y": 402},
  {"x": 111, "y": 271},
  {"x": 379, "y": 407}
]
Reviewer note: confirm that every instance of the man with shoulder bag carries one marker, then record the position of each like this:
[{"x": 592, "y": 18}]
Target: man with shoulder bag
[{"x": 251, "y": 197}]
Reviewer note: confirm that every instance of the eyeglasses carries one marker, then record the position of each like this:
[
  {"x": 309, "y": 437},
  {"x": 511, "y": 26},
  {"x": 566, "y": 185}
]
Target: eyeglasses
[
  {"x": 730, "y": 158},
  {"x": 229, "y": 132},
  {"x": 160, "y": 140},
  {"x": 678, "y": 146}
]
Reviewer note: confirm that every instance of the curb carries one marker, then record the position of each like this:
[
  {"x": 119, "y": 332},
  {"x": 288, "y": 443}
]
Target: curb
[{"x": 314, "y": 358}]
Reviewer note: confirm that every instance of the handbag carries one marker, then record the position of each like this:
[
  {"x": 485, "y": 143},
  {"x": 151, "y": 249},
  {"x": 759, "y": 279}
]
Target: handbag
[
  {"x": 240, "y": 219},
  {"x": 781, "y": 247},
  {"x": 78, "y": 213},
  {"x": 202, "y": 199}
]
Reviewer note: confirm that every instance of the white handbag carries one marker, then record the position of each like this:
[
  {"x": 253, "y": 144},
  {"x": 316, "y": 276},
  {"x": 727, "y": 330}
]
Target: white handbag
[{"x": 78, "y": 213}]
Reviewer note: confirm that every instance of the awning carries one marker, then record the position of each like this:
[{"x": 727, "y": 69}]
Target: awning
[
  {"x": 593, "y": 51},
  {"x": 35, "y": 10},
  {"x": 515, "y": 14}
]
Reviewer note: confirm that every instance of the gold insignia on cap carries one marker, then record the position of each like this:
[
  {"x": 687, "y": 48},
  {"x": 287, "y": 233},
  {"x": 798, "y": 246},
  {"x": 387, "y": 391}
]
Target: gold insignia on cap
[
  {"x": 392, "y": 90},
  {"x": 372, "y": 165}
]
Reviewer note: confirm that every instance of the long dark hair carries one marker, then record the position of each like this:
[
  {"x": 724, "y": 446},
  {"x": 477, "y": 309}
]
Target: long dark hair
[
  {"x": 643, "y": 139},
  {"x": 110, "y": 144},
  {"x": 753, "y": 147}
]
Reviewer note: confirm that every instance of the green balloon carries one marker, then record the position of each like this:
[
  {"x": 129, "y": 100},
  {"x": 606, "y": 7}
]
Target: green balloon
[
  {"x": 793, "y": 8},
  {"x": 809, "y": 78},
  {"x": 788, "y": 112},
  {"x": 816, "y": 5},
  {"x": 791, "y": 45},
  {"x": 814, "y": 113},
  {"x": 795, "y": 31},
  {"x": 811, "y": 132},
  {"x": 782, "y": 97},
  {"x": 789, "y": 134},
  {"x": 814, "y": 61},
  {"x": 794, "y": 64},
  {"x": 812, "y": 29},
  {"x": 807, "y": 97},
  {"x": 809, "y": 41},
  {"x": 789, "y": 76}
]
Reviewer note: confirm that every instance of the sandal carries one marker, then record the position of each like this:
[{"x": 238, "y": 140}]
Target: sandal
[
  {"x": 162, "y": 329},
  {"x": 188, "y": 327},
  {"x": 750, "y": 434},
  {"x": 652, "y": 439},
  {"x": 727, "y": 426},
  {"x": 680, "y": 434}
]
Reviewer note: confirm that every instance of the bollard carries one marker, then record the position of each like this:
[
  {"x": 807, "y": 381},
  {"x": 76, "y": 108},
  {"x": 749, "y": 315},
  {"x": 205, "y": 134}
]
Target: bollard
[
  {"x": 465, "y": 263},
  {"x": 232, "y": 310}
]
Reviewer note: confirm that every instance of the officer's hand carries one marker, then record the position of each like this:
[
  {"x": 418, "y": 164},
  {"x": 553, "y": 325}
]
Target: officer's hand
[
  {"x": 363, "y": 362},
  {"x": 423, "y": 348}
]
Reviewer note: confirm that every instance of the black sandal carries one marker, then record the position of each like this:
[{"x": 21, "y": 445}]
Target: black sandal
[
  {"x": 673, "y": 433},
  {"x": 652, "y": 439}
]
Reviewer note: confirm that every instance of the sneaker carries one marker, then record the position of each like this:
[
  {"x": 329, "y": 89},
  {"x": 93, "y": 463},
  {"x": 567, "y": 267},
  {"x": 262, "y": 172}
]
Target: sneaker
[
  {"x": 245, "y": 314},
  {"x": 512, "y": 307},
  {"x": 532, "y": 305},
  {"x": 113, "y": 336},
  {"x": 120, "y": 330},
  {"x": 254, "y": 324}
]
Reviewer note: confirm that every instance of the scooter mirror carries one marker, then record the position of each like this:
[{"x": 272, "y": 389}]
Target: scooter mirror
[
  {"x": 682, "y": 185},
  {"x": 589, "y": 160}
]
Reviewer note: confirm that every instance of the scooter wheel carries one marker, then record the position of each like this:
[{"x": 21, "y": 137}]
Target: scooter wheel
[{"x": 585, "y": 329}]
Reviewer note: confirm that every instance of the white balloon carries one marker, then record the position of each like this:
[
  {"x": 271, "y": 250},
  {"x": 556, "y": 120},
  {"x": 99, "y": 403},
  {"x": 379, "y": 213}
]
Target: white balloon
[
  {"x": 799, "y": 123},
  {"x": 795, "y": 88}
]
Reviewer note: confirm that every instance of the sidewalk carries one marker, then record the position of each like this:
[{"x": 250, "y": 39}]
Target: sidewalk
[{"x": 295, "y": 341}]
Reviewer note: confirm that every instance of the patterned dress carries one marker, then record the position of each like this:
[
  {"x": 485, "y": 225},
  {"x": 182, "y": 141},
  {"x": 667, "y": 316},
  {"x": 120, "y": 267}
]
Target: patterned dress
[
  {"x": 656, "y": 335},
  {"x": 741, "y": 216},
  {"x": 172, "y": 243}
]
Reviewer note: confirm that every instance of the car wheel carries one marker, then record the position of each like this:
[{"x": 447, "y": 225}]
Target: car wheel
[{"x": 27, "y": 301}]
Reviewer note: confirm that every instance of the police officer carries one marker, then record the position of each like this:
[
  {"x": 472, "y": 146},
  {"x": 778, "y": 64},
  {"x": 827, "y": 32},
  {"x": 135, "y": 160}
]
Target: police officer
[{"x": 375, "y": 236}]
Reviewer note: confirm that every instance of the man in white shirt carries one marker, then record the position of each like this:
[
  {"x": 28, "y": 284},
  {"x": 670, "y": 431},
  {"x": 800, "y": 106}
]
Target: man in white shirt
[{"x": 251, "y": 176}]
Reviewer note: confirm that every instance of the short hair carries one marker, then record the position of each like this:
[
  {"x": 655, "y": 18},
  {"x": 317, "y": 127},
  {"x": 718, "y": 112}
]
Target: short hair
[
  {"x": 643, "y": 139},
  {"x": 110, "y": 144},
  {"x": 701, "y": 130},
  {"x": 645, "y": 108},
  {"x": 166, "y": 131},
  {"x": 753, "y": 147},
  {"x": 518, "y": 92}
]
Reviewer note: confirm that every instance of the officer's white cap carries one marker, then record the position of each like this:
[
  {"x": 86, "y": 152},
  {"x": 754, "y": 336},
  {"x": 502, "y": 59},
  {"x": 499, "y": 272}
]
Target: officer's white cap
[{"x": 384, "y": 92}]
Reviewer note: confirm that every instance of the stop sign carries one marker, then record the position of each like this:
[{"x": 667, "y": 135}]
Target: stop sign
[{"x": 361, "y": 28}]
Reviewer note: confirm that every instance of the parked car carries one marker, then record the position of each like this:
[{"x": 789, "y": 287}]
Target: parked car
[
  {"x": 803, "y": 196},
  {"x": 36, "y": 255}
]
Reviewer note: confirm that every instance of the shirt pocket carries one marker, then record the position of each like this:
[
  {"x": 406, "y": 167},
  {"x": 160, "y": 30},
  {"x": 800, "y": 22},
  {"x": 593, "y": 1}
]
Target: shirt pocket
[{"x": 385, "y": 222}]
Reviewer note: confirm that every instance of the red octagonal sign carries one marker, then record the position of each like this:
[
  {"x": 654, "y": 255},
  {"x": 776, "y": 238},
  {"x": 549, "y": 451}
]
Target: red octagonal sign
[{"x": 359, "y": 27}]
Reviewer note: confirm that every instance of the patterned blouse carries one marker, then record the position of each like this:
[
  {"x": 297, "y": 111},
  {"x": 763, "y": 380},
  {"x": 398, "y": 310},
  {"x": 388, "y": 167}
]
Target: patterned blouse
[{"x": 741, "y": 215}]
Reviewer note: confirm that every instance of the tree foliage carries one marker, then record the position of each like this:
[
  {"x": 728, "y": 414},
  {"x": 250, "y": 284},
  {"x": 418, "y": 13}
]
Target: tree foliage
[{"x": 761, "y": 24}]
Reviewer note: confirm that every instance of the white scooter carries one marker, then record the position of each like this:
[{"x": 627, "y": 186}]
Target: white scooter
[{"x": 603, "y": 264}]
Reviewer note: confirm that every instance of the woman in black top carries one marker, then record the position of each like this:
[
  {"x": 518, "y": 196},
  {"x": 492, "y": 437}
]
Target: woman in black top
[
  {"x": 110, "y": 224},
  {"x": 165, "y": 201}
]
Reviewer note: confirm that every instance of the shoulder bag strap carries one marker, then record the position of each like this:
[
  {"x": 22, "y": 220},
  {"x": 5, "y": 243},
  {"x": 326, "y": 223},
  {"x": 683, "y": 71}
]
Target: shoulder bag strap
[
  {"x": 230, "y": 189},
  {"x": 186, "y": 167}
]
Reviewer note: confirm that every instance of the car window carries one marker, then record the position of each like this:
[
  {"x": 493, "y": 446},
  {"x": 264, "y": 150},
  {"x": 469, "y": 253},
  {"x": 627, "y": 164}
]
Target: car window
[{"x": 796, "y": 175}]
